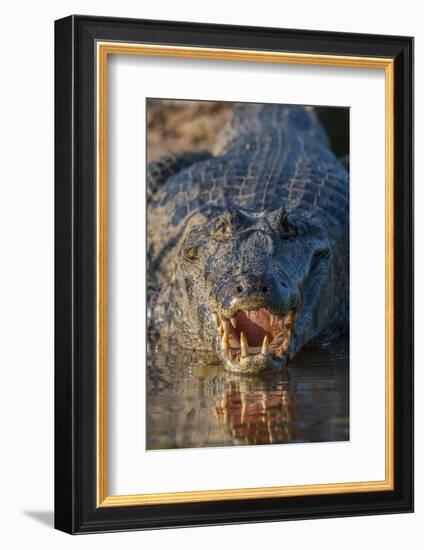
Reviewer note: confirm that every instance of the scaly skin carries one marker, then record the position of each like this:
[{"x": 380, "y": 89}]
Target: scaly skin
[{"x": 254, "y": 236}]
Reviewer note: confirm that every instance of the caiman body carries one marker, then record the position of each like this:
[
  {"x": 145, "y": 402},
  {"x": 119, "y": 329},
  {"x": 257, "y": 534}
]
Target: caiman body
[{"x": 248, "y": 247}]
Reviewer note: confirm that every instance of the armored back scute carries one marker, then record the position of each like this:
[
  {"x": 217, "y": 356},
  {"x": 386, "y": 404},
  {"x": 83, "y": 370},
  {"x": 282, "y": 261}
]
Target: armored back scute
[{"x": 251, "y": 118}]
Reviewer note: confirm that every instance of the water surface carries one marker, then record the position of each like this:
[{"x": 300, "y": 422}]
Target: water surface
[{"x": 192, "y": 402}]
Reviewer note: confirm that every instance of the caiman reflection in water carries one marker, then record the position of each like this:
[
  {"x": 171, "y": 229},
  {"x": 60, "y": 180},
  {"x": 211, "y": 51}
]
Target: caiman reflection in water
[{"x": 192, "y": 403}]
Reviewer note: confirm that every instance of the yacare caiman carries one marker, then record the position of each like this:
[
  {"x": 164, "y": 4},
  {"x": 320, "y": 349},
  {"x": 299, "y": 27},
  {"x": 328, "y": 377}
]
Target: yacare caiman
[{"x": 248, "y": 246}]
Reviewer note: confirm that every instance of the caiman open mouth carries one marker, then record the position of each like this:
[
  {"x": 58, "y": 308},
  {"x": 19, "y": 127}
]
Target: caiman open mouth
[{"x": 251, "y": 337}]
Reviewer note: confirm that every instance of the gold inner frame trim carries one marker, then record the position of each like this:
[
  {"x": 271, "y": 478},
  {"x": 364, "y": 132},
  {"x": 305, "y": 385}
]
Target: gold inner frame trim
[{"x": 103, "y": 50}]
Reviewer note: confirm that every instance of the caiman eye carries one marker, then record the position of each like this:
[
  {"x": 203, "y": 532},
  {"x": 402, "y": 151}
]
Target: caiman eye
[
  {"x": 322, "y": 254},
  {"x": 191, "y": 253},
  {"x": 291, "y": 228},
  {"x": 320, "y": 258},
  {"x": 221, "y": 229}
]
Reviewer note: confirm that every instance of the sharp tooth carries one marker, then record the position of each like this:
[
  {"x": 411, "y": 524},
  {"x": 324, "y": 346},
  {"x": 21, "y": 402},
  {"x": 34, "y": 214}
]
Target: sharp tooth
[
  {"x": 265, "y": 345},
  {"x": 226, "y": 325},
  {"x": 224, "y": 343},
  {"x": 288, "y": 319},
  {"x": 244, "y": 345},
  {"x": 284, "y": 345},
  {"x": 282, "y": 333},
  {"x": 281, "y": 323},
  {"x": 215, "y": 318},
  {"x": 272, "y": 319},
  {"x": 233, "y": 322}
]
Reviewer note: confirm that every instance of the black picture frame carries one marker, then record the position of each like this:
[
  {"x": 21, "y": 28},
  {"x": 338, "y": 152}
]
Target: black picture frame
[{"x": 76, "y": 509}]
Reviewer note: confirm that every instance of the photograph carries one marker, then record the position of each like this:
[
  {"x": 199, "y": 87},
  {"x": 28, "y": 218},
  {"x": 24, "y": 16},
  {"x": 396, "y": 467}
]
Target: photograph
[{"x": 247, "y": 274}]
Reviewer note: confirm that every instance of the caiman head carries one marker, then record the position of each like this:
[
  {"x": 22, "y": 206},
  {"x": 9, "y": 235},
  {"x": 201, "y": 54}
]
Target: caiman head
[{"x": 258, "y": 285}]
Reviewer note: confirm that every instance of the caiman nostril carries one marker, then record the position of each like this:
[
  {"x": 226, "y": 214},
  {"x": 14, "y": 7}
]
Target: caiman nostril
[
  {"x": 239, "y": 288},
  {"x": 264, "y": 289}
]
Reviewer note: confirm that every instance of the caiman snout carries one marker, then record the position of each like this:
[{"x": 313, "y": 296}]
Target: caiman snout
[
  {"x": 254, "y": 317},
  {"x": 253, "y": 291}
]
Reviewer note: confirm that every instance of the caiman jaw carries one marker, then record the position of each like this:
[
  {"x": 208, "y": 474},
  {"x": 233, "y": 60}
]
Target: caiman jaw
[{"x": 254, "y": 340}]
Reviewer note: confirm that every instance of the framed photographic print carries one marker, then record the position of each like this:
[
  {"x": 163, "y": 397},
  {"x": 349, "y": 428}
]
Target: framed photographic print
[{"x": 234, "y": 274}]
